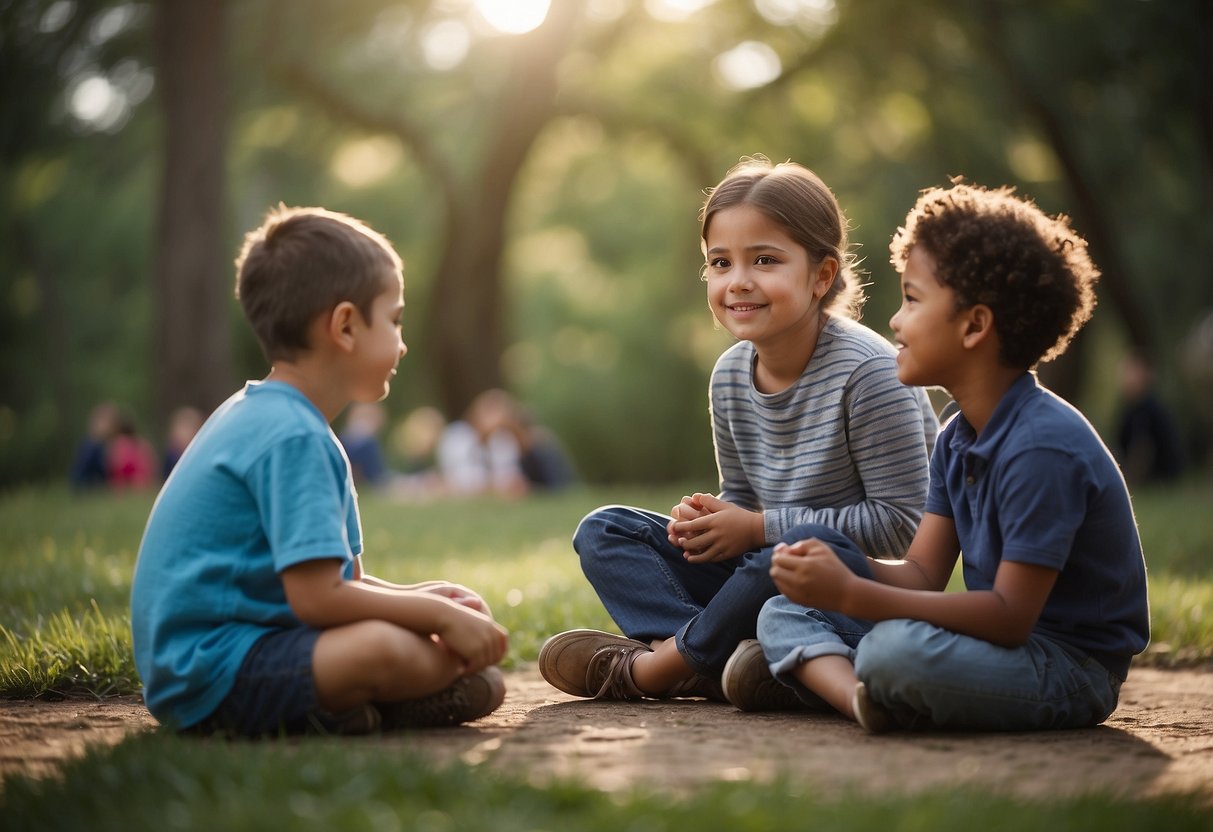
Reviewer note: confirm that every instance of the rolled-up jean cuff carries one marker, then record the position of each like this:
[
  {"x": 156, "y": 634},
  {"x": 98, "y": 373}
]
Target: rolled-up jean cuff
[
  {"x": 785, "y": 667},
  {"x": 695, "y": 662}
]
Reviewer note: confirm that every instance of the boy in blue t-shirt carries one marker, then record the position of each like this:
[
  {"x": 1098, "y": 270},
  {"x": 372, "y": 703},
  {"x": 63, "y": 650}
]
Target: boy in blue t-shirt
[
  {"x": 250, "y": 612},
  {"x": 1022, "y": 489}
]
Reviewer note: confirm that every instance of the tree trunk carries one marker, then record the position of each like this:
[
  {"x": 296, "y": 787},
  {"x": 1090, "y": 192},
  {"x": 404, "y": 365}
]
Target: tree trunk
[
  {"x": 192, "y": 280},
  {"x": 465, "y": 333},
  {"x": 1092, "y": 219}
]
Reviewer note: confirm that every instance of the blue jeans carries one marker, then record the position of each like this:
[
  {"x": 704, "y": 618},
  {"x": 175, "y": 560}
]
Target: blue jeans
[
  {"x": 791, "y": 635},
  {"x": 931, "y": 677},
  {"x": 652, "y": 592},
  {"x": 927, "y": 675}
]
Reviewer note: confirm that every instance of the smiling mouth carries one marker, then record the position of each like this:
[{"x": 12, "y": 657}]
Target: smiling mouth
[{"x": 744, "y": 307}]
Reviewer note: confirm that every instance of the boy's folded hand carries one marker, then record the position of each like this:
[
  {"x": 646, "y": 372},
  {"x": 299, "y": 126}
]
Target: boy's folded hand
[
  {"x": 809, "y": 573},
  {"x": 477, "y": 639}
]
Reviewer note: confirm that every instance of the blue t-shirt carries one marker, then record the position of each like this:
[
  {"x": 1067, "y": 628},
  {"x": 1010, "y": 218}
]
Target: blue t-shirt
[
  {"x": 263, "y": 486},
  {"x": 1038, "y": 486}
]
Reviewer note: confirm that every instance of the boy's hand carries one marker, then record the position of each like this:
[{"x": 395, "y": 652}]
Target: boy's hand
[
  {"x": 457, "y": 593},
  {"x": 474, "y": 637},
  {"x": 809, "y": 573},
  {"x": 722, "y": 531}
]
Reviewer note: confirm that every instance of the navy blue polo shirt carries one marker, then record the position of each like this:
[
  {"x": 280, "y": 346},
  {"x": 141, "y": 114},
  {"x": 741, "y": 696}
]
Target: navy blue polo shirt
[{"x": 1039, "y": 486}]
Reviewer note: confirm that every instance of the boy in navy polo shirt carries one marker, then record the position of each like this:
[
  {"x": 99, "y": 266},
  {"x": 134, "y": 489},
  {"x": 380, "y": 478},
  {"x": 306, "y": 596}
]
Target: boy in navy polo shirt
[{"x": 1021, "y": 488}]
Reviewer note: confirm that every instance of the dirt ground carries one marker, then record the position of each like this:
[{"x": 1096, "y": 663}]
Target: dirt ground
[{"x": 1160, "y": 740}]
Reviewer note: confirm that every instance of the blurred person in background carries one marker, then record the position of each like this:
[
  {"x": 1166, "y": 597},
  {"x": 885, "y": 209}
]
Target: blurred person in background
[{"x": 1148, "y": 446}]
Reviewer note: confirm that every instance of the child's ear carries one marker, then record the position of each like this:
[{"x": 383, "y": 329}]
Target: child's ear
[
  {"x": 979, "y": 326},
  {"x": 827, "y": 273},
  {"x": 341, "y": 325}
]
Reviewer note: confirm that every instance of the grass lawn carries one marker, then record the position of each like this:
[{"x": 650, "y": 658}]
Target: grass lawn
[{"x": 64, "y": 628}]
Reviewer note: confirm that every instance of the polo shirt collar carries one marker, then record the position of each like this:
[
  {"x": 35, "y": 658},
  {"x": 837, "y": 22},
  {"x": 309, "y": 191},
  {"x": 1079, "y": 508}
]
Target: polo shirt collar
[{"x": 978, "y": 449}]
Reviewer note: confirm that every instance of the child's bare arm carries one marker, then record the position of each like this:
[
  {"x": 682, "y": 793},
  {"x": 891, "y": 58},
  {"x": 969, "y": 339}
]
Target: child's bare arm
[
  {"x": 456, "y": 592},
  {"x": 811, "y": 574},
  {"x": 321, "y": 598},
  {"x": 929, "y": 561}
]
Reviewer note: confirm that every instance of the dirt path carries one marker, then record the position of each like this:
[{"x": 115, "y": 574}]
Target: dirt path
[{"x": 1159, "y": 740}]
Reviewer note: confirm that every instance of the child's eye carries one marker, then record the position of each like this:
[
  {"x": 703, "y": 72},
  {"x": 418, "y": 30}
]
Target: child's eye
[
  {"x": 718, "y": 263},
  {"x": 765, "y": 260}
]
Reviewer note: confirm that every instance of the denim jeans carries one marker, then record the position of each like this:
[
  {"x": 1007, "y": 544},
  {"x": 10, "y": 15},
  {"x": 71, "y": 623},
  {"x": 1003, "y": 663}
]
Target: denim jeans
[
  {"x": 931, "y": 677},
  {"x": 926, "y": 674},
  {"x": 652, "y": 592},
  {"x": 791, "y": 635}
]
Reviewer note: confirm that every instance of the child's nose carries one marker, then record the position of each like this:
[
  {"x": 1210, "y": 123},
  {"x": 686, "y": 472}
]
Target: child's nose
[{"x": 741, "y": 281}]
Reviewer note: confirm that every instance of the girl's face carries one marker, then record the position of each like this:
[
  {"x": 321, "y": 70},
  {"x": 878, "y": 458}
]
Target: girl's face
[
  {"x": 926, "y": 328},
  {"x": 762, "y": 285}
]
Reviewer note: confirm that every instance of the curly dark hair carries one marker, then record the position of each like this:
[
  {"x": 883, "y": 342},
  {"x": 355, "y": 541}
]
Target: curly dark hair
[{"x": 995, "y": 248}]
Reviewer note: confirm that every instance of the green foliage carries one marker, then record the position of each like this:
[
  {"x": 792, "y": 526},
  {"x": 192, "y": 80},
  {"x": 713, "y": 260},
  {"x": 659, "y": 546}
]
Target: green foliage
[
  {"x": 64, "y": 600},
  {"x": 168, "y": 782},
  {"x": 607, "y": 335}
]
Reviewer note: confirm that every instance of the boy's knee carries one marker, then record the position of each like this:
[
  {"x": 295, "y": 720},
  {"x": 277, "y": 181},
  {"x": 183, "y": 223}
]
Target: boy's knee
[
  {"x": 383, "y": 646},
  {"x": 892, "y": 650},
  {"x": 773, "y": 612}
]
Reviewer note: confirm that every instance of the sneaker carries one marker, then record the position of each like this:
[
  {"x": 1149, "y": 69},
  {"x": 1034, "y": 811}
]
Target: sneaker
[
  {"x": 364, "y": 719},
  {"x": 749, "y": 685},
  {"x": 470, "y": 697},
  {"x": 591, "y": 663},
  {"x": 872, "y": 717}
]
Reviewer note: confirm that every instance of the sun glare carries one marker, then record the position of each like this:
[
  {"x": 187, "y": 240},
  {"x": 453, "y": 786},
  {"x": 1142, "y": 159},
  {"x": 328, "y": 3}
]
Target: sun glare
[{"x": 513, "y": 17}]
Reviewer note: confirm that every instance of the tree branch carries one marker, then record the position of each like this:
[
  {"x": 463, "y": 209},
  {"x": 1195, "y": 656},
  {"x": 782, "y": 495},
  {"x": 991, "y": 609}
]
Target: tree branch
[
  {"x": 1096, "y": 226},
  {"x": 341, "y": 106}
]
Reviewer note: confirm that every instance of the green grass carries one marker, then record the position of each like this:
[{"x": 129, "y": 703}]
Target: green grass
[
  {"x": 64, "y": 629},
  {"x": 64, "y": 619},
  {"x": 349, "y": 785}
]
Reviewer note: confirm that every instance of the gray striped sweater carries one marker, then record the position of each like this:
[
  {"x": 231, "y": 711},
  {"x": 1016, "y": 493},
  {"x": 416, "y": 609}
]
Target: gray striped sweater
[{"x": 846, "y": 446}]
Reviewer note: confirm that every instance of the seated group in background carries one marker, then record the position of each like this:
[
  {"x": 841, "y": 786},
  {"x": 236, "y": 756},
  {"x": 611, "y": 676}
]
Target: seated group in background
[
  {"x": 498, "y": 447},
  {"x": 113, "y": 454}
]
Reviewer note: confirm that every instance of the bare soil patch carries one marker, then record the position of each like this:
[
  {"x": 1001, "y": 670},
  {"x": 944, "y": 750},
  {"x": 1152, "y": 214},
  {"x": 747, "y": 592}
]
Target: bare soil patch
[{"x": 1160, "y": 740}]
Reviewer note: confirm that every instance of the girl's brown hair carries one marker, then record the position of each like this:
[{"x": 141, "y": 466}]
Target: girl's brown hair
[{"x": 795, "y": 198}]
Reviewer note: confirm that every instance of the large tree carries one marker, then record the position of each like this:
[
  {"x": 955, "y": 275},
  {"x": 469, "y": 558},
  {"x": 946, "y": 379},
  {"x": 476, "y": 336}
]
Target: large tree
[
  {"x": 518, "y": 95},
  {"x": 193, "y": 292}
]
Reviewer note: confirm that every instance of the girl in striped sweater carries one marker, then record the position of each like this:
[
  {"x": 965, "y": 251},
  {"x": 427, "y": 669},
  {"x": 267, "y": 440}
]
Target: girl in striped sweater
[{"x": 810, "y": 425}]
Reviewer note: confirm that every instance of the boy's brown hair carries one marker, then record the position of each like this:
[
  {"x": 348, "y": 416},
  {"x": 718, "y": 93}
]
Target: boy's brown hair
[
  {"x": 994, "y": 248},
  {"x": 302, "y": 262}
]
